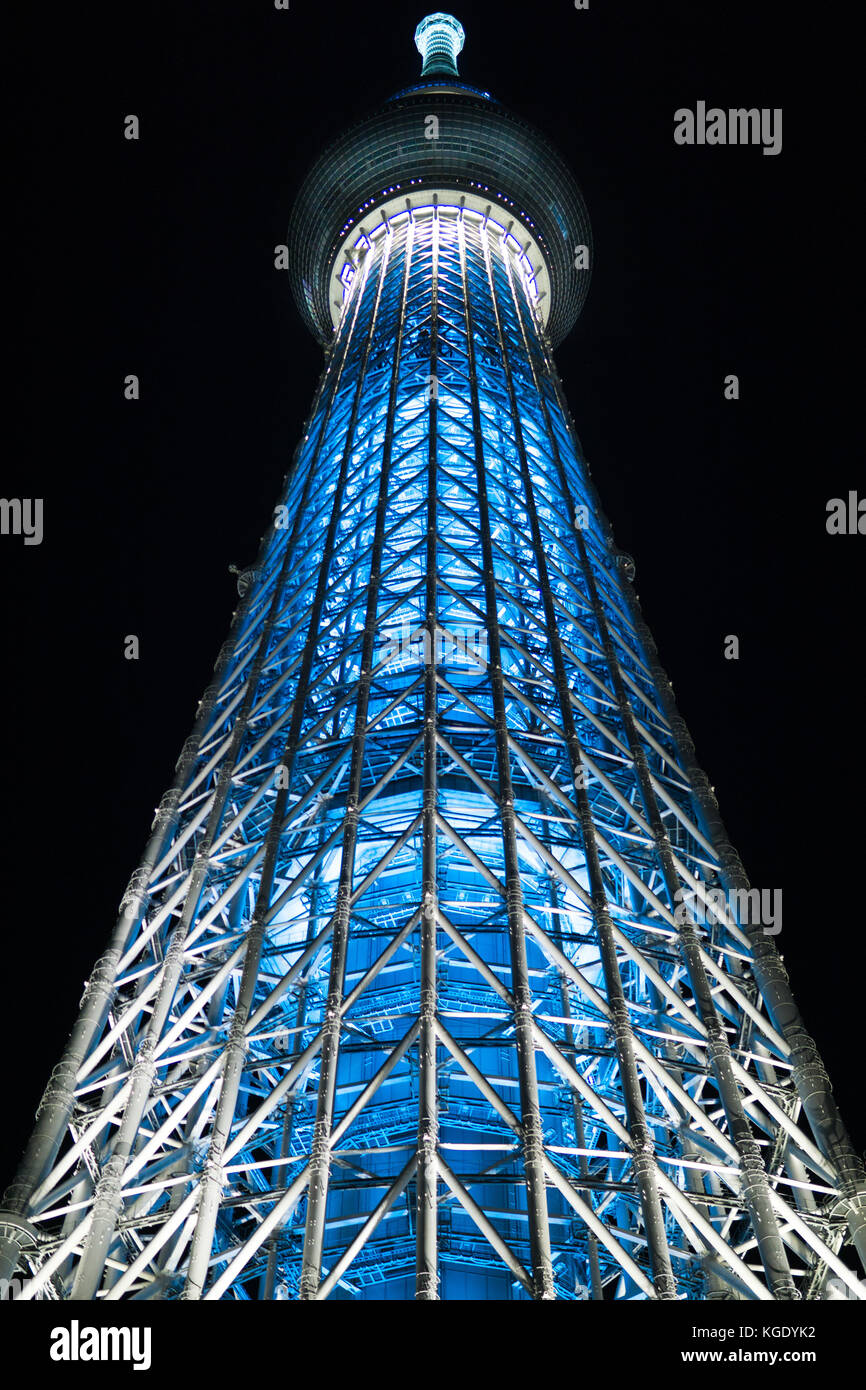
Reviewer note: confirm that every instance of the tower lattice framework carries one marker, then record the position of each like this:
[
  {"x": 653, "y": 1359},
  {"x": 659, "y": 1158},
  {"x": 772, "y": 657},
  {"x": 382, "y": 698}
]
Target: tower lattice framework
[{"x": 439, "y": 977}]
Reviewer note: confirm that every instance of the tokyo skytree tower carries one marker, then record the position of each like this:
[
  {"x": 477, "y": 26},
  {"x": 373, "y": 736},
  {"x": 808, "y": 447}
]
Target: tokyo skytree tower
[{"x": 438, "y": 977}]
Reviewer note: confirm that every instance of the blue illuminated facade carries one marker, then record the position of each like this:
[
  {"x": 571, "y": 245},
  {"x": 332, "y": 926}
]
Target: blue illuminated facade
[{"x": 439, "y": 978}]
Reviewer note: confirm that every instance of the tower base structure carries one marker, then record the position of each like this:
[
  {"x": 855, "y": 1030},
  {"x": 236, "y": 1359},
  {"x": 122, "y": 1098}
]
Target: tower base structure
[{"x": 439, "y": 977}]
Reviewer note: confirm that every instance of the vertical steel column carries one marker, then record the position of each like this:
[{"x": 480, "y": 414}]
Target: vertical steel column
[
  {"x": 756, "y": 1189},
  {"x": 107, "y": 1200},
  {"x": 576, "y": 1102},
  {"x": 643, "y": 1146},
  {"x": 55, "y": 1107},
  {"x": 530, "y": 1109},
  {"x": 270, "y": 1275},
  {"x": 213, "y": 1177},
  {"x": 320, "y": 1158},
  {"x": 809, "y": 1073},
  {"x": 755, "y": 1186},
  {"x": 426, "y": 1210},
  {"x": 717, "y": 1288}
]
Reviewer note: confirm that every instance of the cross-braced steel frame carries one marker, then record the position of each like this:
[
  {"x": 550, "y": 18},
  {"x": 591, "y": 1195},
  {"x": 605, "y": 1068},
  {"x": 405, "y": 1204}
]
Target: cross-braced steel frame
[{"x": 402, "y": 1001}]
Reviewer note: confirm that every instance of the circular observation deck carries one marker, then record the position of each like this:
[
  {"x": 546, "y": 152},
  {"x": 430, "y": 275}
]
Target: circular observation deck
[{"x": 479, "y": 149}]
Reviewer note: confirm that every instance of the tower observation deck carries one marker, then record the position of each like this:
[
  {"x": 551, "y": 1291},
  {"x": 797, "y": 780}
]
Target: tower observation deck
[
  {"x": 438, "y": 977},
  {"x": 442, "y": 143}
]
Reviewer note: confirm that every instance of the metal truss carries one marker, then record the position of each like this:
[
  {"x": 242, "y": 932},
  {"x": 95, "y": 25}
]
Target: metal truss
[{"x": 402, "y": 1001}]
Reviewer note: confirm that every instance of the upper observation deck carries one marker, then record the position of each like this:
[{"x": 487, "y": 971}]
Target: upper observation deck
[{"x": 441, "y": 136}]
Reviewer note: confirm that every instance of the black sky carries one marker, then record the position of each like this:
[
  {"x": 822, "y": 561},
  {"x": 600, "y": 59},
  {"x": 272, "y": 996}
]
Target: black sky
[{"x": 156, "y": 258}]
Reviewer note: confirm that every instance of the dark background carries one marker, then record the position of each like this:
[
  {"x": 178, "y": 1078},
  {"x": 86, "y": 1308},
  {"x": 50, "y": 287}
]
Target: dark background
[{"x": 156, "y": 258}]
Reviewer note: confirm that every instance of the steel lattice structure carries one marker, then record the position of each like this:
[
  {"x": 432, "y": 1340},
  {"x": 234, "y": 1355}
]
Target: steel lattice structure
[{"x": 402, "y": 1001}]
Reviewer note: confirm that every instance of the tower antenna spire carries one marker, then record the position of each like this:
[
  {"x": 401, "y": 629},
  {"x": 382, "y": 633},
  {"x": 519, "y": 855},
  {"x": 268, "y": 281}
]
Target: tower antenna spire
[{"x": 439, "y": 38}]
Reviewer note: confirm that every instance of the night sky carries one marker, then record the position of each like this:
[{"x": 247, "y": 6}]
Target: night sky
[{"x": 156, "y": 258}]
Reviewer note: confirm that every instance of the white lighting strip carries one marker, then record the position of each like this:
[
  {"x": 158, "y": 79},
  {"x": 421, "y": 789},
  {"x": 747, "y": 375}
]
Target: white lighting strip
[{"x": 516, "y": 237}]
